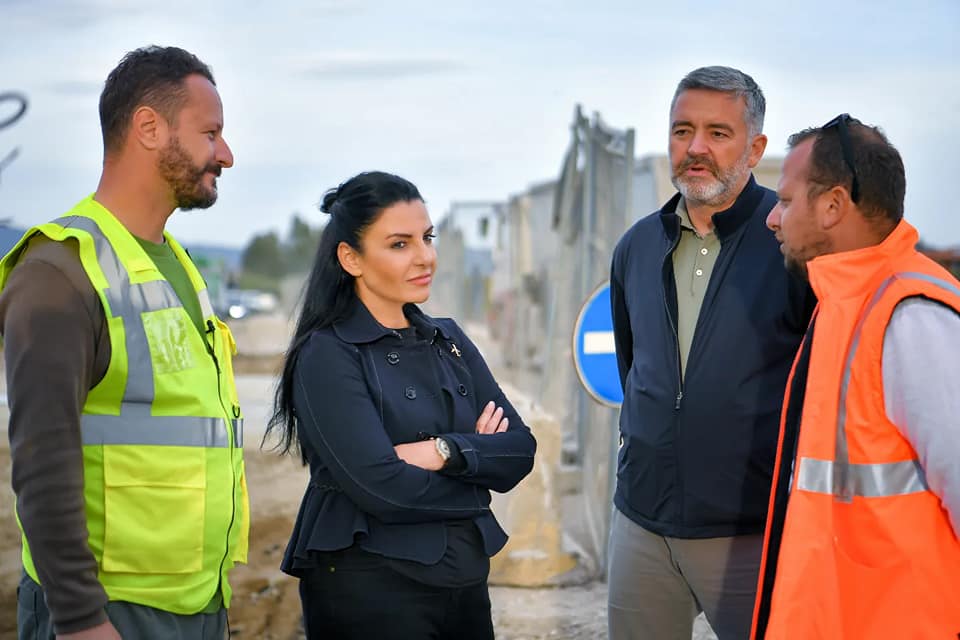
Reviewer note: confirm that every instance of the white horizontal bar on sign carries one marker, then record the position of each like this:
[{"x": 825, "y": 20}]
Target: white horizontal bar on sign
[{"x": 598, "y": 342}]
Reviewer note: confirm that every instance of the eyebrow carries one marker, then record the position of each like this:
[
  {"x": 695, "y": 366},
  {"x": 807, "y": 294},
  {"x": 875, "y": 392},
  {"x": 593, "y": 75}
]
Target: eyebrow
[
  {"x": 210, "y": 128},
  {"x": 710, "y": 125},
  {"x": 408, "y": 235}
]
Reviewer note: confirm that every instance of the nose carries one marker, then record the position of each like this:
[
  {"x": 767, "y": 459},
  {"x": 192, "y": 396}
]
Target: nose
[
  {"x": 773, "y": 218},
  {"x": 427, "y": 255},
  {"x": 224, "y": 154},
  {"x": 698, "y": 145}
]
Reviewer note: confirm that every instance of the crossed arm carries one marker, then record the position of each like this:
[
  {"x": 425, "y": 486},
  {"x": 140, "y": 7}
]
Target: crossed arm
[{"x": 340, "y": 423}]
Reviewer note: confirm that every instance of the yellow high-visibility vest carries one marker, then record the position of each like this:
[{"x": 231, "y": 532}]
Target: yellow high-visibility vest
[{"x": 164, "y": 483}]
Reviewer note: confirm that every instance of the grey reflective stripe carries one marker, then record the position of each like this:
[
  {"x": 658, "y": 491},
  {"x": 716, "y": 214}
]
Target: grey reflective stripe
[
  {"x": 128, "y": 301},
  {"x": 842, "y": 482},
  {"x": 864, "y": 480},
  {"x": 206, "y": 309},
  {"x": 135, "y": 424},
  {"x": 154, "y": 430},
  {"x": 943, "y": 284},
  {"x": 237, "y": 432},
  {"x": 846, "y": 479}
]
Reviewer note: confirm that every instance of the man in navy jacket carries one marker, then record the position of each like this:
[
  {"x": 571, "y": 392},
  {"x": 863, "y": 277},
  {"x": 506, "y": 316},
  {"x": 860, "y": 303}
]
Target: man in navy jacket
[{"x": 707, "y": 322}]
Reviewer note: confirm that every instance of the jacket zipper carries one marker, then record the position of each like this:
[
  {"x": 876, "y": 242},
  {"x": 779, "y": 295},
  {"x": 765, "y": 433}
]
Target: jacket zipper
[
  {"x": 673, "y": 326},
  {"x": 676, "y": 406}
]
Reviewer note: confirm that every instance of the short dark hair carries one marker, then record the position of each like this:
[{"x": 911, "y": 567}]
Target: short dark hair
[
  {"x": 728, "y": 80},
  {"x": 150, "y": 76},
  {"x": 880, "y": 174}
]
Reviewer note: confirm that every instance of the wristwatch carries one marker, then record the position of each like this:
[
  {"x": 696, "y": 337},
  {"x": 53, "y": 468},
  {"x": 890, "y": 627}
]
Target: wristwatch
[{"x": 443, "y": 448}]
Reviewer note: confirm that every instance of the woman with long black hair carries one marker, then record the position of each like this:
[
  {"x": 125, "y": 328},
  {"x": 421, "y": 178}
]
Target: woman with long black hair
[{"x": 404, "y": 429}]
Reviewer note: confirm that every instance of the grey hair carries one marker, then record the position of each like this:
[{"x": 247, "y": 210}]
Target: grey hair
[{"x": 728, "y": 80}]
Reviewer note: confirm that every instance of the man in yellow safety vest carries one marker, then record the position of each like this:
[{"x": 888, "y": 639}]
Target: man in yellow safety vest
[{"x": 125, "y": 427}]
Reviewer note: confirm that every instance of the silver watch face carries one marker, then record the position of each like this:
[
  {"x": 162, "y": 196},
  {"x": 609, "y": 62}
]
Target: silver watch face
[{"x": 443, "y": 448}]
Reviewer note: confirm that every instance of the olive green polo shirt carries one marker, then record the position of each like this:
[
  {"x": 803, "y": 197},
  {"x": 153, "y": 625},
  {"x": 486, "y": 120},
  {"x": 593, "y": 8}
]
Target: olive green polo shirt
[
  {"x": 693, "y": 262},
  {"x": 171, "y": 269}
]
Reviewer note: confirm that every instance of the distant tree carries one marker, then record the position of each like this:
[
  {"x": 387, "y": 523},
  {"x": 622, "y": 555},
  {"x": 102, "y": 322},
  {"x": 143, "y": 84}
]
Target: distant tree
[
  {"x": 268, "y": 259},
  {"x": 300, "y": 246},
  {"x": 264, "y": 256},
  {"x": 250, "y": 280}
]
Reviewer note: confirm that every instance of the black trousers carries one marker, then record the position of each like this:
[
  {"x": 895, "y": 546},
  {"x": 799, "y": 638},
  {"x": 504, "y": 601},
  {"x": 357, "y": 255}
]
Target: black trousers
[{"x": 362, "y": 603}]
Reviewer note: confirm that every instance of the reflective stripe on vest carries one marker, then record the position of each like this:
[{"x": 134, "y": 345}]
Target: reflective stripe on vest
[
  {"x": 842, "y": 479},
  {"x": 128, "y": 301},
  {"x": 159, "y": 430}
]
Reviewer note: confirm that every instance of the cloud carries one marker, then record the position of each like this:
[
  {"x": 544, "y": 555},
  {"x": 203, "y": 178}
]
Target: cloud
[
  {"x": 68, "y": 14},
  {"x": 73, "y": 88},
  {"x": 366, "y": 67}
]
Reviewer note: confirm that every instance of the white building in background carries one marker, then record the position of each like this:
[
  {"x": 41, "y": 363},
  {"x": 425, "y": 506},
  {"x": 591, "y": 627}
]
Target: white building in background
[
  {"x": 477, "y": 221},
  {"x": 467, "y": 240}
]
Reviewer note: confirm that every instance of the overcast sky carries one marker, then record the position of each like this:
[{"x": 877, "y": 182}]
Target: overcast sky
[{"x": 469, "y": 100}]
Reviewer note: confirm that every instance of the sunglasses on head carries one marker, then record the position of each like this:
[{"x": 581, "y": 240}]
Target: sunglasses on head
[{"x": 840, "y": 122}]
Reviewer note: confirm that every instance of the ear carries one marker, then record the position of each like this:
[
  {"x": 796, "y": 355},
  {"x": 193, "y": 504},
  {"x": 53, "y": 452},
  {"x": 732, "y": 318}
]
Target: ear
[
  {"x": 832, "y": 206},
  {"x": 757, "y": 146},
  {"x": 149, "y": 128},
  {"x": 349, "y": 259}
]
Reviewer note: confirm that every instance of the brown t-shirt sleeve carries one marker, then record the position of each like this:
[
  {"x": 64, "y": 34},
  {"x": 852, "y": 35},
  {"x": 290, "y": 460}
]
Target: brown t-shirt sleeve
[{"x": 54, "y": 335}]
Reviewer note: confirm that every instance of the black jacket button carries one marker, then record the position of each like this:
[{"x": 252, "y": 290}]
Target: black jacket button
[
  {"x": 410, "y": 392},
  {"x": 393, "y": 357},
  {"x": 462, "y": 390}
]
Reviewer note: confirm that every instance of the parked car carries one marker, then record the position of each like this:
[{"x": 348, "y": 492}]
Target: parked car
[{"x": 240, "y": 303}]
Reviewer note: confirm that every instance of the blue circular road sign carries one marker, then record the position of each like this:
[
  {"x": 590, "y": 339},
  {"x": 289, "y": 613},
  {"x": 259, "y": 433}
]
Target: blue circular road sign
[{"x": 594, "y": 354}]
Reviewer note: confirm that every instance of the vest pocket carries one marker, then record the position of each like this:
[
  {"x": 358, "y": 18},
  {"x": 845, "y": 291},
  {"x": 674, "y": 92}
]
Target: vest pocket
[
  {"x": 870, "y": 597},
  {"x": 154, "y": 502},
  {"x": 169, "y": 335}
]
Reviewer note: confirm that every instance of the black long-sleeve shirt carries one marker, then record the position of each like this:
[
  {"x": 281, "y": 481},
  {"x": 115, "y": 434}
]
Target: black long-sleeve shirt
[{"x": 56, "y": 347}]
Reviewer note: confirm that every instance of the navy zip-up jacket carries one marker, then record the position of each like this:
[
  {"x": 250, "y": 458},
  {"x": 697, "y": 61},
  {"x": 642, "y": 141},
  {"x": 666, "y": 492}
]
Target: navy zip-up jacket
[
  {"x": 359, "y": 389},
  {"x": 696, "y": 456}
]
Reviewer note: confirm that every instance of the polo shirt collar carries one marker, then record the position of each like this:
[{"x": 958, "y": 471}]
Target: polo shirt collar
[{"x": 726, "y": 222}]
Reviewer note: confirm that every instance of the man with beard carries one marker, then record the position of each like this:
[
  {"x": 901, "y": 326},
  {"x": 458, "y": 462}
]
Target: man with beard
[
  {"x": 706, "y": 322},
  {"x": 125, "y": 428},
  {"x": 863, "y": 536}
]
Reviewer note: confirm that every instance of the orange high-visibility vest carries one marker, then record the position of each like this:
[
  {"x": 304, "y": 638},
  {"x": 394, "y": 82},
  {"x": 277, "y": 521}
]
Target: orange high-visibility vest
[{"x": 866, "y": 550}]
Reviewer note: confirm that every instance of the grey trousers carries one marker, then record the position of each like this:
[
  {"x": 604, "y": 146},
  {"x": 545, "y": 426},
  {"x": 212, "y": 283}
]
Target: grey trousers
[
  {"x": 132, "y": 621},
  {"x": 658, "y": 585}
]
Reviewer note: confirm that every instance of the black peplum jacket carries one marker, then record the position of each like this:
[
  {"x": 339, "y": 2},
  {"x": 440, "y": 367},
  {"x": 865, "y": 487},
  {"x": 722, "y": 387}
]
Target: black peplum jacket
[{"x": 360, "y": 389}]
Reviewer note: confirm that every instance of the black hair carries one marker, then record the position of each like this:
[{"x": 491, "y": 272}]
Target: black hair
[
  {"x": 331, "y": 292},
  {"x": 881, "y": 178},
  {"x": 150, "y": 76}
]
